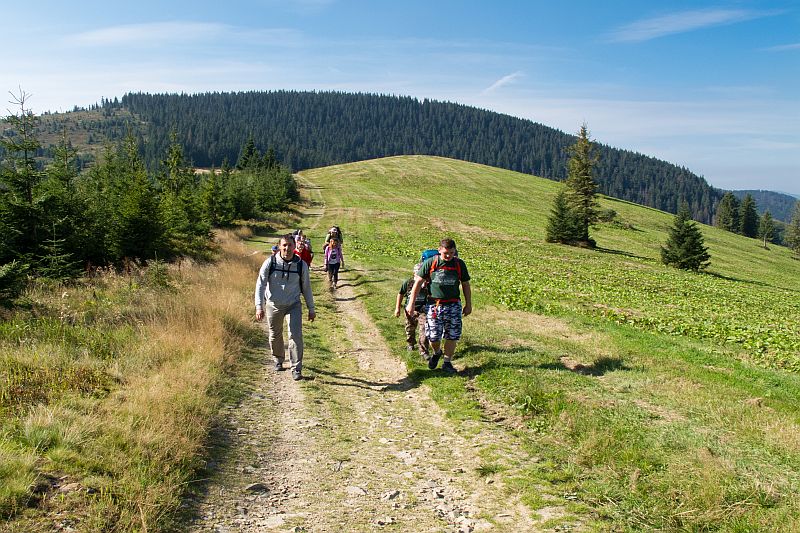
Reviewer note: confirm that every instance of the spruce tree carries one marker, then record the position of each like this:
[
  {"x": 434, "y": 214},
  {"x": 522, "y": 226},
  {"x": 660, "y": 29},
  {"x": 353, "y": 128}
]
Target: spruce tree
[
  {"x": 766, "y": 228},
  {"x": 562, "y": 225},
  {"x": 581, "y": 184},
  {"x": 792, "y": 237},
  {"x": 728, "y": 213},
  {"x": 748, "y": 219},
  {"x": 684, "y": 247}
]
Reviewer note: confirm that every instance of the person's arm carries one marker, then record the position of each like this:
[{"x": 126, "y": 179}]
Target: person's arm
[
  {"x": 306, "y": 292},
  {"x": 261, "y": 282},
  {"x": 397, "y": 304},
  {"x": 467, "y": 298},
  {"x": 412, "y": 296}
]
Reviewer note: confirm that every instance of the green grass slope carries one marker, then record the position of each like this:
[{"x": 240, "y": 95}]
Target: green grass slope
[{"x": 646, "y": 397}]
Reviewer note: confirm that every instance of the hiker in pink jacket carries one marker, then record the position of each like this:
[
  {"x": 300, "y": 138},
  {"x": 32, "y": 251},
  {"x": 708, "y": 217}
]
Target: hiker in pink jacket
[{"x": 333, "y": 261}]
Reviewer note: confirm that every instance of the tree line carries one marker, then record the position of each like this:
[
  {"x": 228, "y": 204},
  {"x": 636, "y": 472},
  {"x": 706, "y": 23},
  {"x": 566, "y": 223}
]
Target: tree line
[
  {"x": 57, "y": 221},
  {"x": 742, "y": 217},
  {"x": 576, "y": 209},
  {"x": 313, "y": 129}
]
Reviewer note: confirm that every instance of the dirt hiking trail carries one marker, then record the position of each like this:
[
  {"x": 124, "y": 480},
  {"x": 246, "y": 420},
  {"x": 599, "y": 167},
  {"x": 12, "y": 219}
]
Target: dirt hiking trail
[{"x": 359, "y": 448}]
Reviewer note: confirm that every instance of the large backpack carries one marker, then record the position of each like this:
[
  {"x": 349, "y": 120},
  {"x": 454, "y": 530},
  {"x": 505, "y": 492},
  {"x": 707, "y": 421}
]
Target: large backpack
[
  {"x": 295, "y": 259},
  {"x": 428, "y": 253}
]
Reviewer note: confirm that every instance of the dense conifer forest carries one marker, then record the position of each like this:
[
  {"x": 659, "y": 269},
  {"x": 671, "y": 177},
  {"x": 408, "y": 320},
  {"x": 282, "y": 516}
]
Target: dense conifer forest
[
  {"x": 314, "y": 129},
  {"x": 778, "y": 204},
  {"x": 58, "y": 222}
]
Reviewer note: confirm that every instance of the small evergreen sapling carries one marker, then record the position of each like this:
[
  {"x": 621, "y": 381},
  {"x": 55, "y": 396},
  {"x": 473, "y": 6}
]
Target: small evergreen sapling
[
  {"x": 684, "y": 247},
  {"x": 562, "y": 224}
]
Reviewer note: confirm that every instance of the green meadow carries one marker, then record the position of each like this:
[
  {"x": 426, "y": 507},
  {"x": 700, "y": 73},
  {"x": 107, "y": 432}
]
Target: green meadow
[{"x": 643, "y": 397}]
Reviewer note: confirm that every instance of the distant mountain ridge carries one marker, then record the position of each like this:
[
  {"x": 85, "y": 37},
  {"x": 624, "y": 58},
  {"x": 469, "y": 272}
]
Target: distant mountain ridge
[
  {"x": 314, "y": 129},
  {"x": 780, "y": 205}
]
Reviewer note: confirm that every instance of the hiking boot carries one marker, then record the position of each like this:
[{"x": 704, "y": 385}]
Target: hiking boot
[
  {"x": 448, "y": 367},
  {"x": 296, "y": 375},
  {"x": 433, "y": 362},
  {"x": 279, "y": 367}
]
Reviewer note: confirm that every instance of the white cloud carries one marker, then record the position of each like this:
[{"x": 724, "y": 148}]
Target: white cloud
[
  {"x": 159, "y": 34},
  {"x": 156, "y": 33},
  {"x": 684, "y": 21},
  {"x": 783, "y": 47},
  {"x": 505, "y": 80}
]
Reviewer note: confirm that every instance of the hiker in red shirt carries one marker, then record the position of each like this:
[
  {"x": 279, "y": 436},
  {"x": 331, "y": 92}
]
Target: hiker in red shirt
[{"x": 301, "y": 250}]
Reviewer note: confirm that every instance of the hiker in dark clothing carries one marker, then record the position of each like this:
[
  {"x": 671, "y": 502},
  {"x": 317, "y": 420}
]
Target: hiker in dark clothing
[{"x": 417, "y": 320}]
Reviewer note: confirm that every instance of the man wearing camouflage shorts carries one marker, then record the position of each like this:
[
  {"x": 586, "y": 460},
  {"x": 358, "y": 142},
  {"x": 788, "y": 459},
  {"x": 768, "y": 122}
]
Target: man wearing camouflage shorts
[{"x": 444, "y": 273}]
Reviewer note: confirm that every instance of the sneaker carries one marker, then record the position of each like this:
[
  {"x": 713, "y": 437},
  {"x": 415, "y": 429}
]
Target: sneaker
[
  {"x": 425, "y": 356},
  {"x": 278, "y": 367},
  {"x": 410, "y": 347},
  {"x": 296, "y": 375},
  {"x": 448, "y": 367},
  {"x": 433, "y": 362}
]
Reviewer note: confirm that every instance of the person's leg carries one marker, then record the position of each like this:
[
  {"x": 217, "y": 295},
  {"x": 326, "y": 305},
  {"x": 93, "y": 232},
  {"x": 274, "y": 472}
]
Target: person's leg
[
  {"x": 449, "y": 349},
  {"x": 336, "y": 274},
  {"x": 452, "y": 333},
  {"x": 435, "y": 331},
  {"x": 411, "y": 329},
  {"x": 295, "y": 313},
  {"x": 274, "y": 319},
  {"x": 424, "y": 343}
]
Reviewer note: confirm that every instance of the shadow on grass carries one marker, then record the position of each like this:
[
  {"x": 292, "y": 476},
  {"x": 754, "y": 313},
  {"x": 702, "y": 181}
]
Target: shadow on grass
[
  {"x": 600, "y": 367},
  {"x": 740, "y": 280},
  {"x": 368, "y": 281},
  {"x": 340, "y": 380},
  {"x": 619, "y": 252}
]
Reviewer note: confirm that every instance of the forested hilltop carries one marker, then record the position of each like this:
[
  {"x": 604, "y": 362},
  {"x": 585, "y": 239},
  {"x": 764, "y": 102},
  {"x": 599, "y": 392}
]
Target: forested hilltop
[
  {"x": 780, "y": 205},
  {"x": 314, "y": 129}
]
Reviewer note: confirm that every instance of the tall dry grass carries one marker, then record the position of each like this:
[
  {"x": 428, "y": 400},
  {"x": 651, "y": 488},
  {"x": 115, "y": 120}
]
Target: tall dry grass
[{"x": 133, "y": 443}]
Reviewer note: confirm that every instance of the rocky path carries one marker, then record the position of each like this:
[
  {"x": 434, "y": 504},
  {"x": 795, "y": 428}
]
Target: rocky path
[{"x": 355, "y": 446}]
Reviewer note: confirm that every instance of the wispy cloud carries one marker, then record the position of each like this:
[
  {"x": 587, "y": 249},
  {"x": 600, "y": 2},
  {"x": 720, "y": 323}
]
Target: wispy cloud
[
  {"x": 783, "y": 47},
  {"x": 505, "y": 80},
  {"x": 152, "y": 33},
  {"x": 680, "y": 22},
  {"x": 161, "y": 33}
]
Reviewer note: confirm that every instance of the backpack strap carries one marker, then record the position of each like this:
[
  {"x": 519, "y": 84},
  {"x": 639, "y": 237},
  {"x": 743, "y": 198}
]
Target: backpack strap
[
  {"x": 295, "y": 259},
  {"x": 435, "y": 264},
  {"x": 433, "y": 267}
]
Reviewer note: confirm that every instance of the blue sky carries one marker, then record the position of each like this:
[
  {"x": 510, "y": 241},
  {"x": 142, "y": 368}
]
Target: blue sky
[{"x": 712, "y": 86}]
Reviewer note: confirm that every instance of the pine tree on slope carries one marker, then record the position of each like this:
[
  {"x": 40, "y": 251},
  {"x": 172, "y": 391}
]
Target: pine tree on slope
[
  {"x": 562, "y": 225},
  {"x": 748, "y": 217},
  {"x": 581, "y": 184},
  {"x": 684, "y": 247},
  {"x": 793, "y": 230},
  {"x": 728, "y": 213}
]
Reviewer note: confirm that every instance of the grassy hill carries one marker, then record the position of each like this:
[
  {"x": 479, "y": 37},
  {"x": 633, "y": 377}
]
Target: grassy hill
[{"x": 650, "y": 398}]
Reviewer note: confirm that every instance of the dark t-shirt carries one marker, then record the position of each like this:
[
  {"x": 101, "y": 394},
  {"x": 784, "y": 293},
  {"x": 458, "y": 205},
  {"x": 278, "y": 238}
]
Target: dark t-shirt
[
  {"x": 422, "y": 296},
  {"x": 445, "y": 284}
]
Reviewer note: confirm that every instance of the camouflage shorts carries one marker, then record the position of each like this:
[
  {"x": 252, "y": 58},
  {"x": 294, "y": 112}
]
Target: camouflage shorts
[{"x": 444, "y": 320}]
